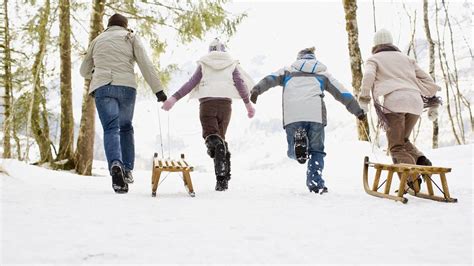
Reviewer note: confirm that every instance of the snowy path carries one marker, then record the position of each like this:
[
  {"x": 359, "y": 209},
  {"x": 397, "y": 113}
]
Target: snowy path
[{"x": 267, "y": 216}]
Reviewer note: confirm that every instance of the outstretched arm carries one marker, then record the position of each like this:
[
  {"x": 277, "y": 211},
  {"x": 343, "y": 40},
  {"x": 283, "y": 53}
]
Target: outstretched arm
[
  {"x": 189, "y": 85},
  {"x": 240, "y": 85},
  {"x": 341, "y": 94},
  {"x": 428, "y": 86},
  {"x": 184, "y": 90},
  {"x": 270, "y": 81}
]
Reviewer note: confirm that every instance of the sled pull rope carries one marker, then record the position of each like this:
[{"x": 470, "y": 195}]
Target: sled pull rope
[
  {"x": 161, "y": 137},
  {"x": 169, "y": 141}
]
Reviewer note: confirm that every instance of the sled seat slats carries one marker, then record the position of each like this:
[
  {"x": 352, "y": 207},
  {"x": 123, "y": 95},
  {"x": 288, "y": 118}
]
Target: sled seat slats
[
  {"x": 406, "y": 173},
  {"x": 168, "y": 165}
]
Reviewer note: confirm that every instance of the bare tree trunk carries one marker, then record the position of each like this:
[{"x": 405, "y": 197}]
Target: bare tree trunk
[
  {"x": 7, "y": 83},
  {"x": 431, "y": 52},
  {"x": 66, "y": 141},
  {"x": 41, "y": 132},
  {"x": 350, "y": 8},
  {"x": 412, "y": 45},
  {"x": 85, "y": 142},
  {"x": 446, "y": 78},
  {"x": 460, "y": 96},
  {"x": 373, "y": 13}
]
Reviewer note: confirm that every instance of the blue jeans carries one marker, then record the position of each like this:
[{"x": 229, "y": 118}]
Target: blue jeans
[
  {"x": 115, "y": 105},
  {"x": 315, "y": 133}
]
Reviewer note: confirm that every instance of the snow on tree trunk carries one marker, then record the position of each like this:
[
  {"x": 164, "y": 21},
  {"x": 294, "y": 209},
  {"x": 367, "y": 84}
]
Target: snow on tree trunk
[
  {"x": 431, "y": 52},
  {"x": 39, "y": 128},
  {"x": 350, "y": 8},
  {"x": 85, "y": 142},
  {"x": 66, "y": 141},
  {"x": 7, "y": 82}
]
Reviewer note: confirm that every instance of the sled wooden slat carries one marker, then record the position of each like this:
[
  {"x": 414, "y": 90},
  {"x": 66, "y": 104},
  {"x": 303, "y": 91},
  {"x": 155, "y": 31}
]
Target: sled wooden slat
[
  {"x": 168, "y": 165},
  {"x": 406, "y": 173}
]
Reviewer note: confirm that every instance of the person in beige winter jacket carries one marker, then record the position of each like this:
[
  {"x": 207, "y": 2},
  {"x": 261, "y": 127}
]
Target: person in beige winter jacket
[
  {"x": 402, "y": 83},
  {"x": 109, "y": 64}
]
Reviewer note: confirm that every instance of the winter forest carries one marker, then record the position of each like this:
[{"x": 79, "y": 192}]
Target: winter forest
[{"x": 95, "y": 93}]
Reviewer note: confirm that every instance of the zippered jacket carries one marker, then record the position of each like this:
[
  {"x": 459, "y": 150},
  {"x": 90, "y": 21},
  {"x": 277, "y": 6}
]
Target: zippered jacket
[{"x": 304, "y": 84}]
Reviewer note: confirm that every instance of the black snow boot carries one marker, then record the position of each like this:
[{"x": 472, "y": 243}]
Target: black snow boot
[
  {"x": 422, "y": 160},
  {"x": 301, "y": 145},
  {"x": 318, "y": 190},
  {"x": 217, "y": 150},
  {"x": 118, "y": 182},
  {"x": 128, "y": 177},
  {"x": 213, "y": 142},
  {"x": 222, "y": 183},
  {"x": 227, "y": 162}
]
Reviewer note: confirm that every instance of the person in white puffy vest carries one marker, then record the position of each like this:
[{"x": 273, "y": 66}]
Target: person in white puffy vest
[{"x": 217, "y": 79}]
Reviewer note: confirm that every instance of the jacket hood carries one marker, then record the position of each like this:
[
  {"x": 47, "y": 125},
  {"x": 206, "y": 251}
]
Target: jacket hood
[
  {"x": 217, "y": 60},
  {"x": 308, "y": 66}
]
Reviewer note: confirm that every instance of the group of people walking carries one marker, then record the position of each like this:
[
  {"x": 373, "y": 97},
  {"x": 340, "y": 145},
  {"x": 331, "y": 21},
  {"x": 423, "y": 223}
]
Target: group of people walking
[{"x": 219, "y": 78}]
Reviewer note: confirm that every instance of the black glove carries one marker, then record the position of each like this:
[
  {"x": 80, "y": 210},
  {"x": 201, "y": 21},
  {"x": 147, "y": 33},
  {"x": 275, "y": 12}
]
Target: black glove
[
  {"x": 362, "y": 116},
  {"x": 253, "y": 96},
  {"x": 161, "y": 96}
]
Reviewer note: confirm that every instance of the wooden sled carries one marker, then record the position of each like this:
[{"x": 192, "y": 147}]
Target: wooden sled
[
  {"x": 168, "y": 165},
  {"x": 406, "y": 173}
]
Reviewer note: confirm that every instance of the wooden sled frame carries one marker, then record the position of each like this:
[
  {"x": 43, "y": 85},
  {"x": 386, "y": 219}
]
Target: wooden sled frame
[
  {"x": 406, "y": 172},
  {"x": 162, "y": 165}
]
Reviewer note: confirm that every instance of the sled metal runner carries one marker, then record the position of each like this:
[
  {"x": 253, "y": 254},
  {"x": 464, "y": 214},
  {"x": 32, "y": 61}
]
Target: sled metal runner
[
  {"x": 168, "y": 165},
  {"x": 407, "y": 173}
]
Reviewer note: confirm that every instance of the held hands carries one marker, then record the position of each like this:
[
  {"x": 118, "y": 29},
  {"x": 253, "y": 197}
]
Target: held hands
[
  {"x": 250, "y": 110},
  {"x": 161, "y": 96},
  {"x": 168, "y": 104},
  {"x": 362, "y": 116},
  {"x": 433, "y": 113}
]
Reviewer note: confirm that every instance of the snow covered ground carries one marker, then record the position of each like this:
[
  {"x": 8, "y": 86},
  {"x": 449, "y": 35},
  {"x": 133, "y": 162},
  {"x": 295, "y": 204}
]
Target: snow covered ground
[{"x": 267, "y": 215}]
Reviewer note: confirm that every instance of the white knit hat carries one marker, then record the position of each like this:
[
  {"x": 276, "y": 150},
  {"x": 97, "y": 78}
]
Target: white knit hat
[
  {"x": 216, "y": 45},
  {"x": 382, "y": 36}
]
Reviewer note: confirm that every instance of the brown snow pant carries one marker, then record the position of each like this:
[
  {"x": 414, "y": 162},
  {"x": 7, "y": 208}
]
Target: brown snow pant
[
  {"x": 215, "y": 117},
  {"x": 400, "y": 126}
]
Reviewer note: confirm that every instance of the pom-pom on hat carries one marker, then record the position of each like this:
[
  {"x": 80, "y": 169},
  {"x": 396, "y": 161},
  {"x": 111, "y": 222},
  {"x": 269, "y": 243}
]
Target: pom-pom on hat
[{"x": 216, "y": 45}]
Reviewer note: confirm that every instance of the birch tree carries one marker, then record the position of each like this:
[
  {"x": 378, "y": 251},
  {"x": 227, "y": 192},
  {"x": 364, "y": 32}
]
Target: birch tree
[
  {"x": 431, "y": 53},
  {"x": 350, "y": 8},
  {"x": 7, "y": 81}
]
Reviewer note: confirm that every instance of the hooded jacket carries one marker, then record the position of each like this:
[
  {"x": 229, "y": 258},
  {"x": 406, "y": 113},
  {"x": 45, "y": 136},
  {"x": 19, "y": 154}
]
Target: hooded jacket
[
  {"x": 217, "y": 77},
  {"x": 304, "y": 84},
  {"x": 111, "y": 58}
]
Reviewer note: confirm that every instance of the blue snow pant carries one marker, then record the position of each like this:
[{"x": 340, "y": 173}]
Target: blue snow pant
[
  {"x": 115, "y": 105},
  {"x": 315, "y": 133}
]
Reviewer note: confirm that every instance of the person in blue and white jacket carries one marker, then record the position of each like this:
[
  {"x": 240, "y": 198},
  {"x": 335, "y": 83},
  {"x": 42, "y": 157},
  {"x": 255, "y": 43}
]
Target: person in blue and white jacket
[{"x": 304, "y": 111}]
